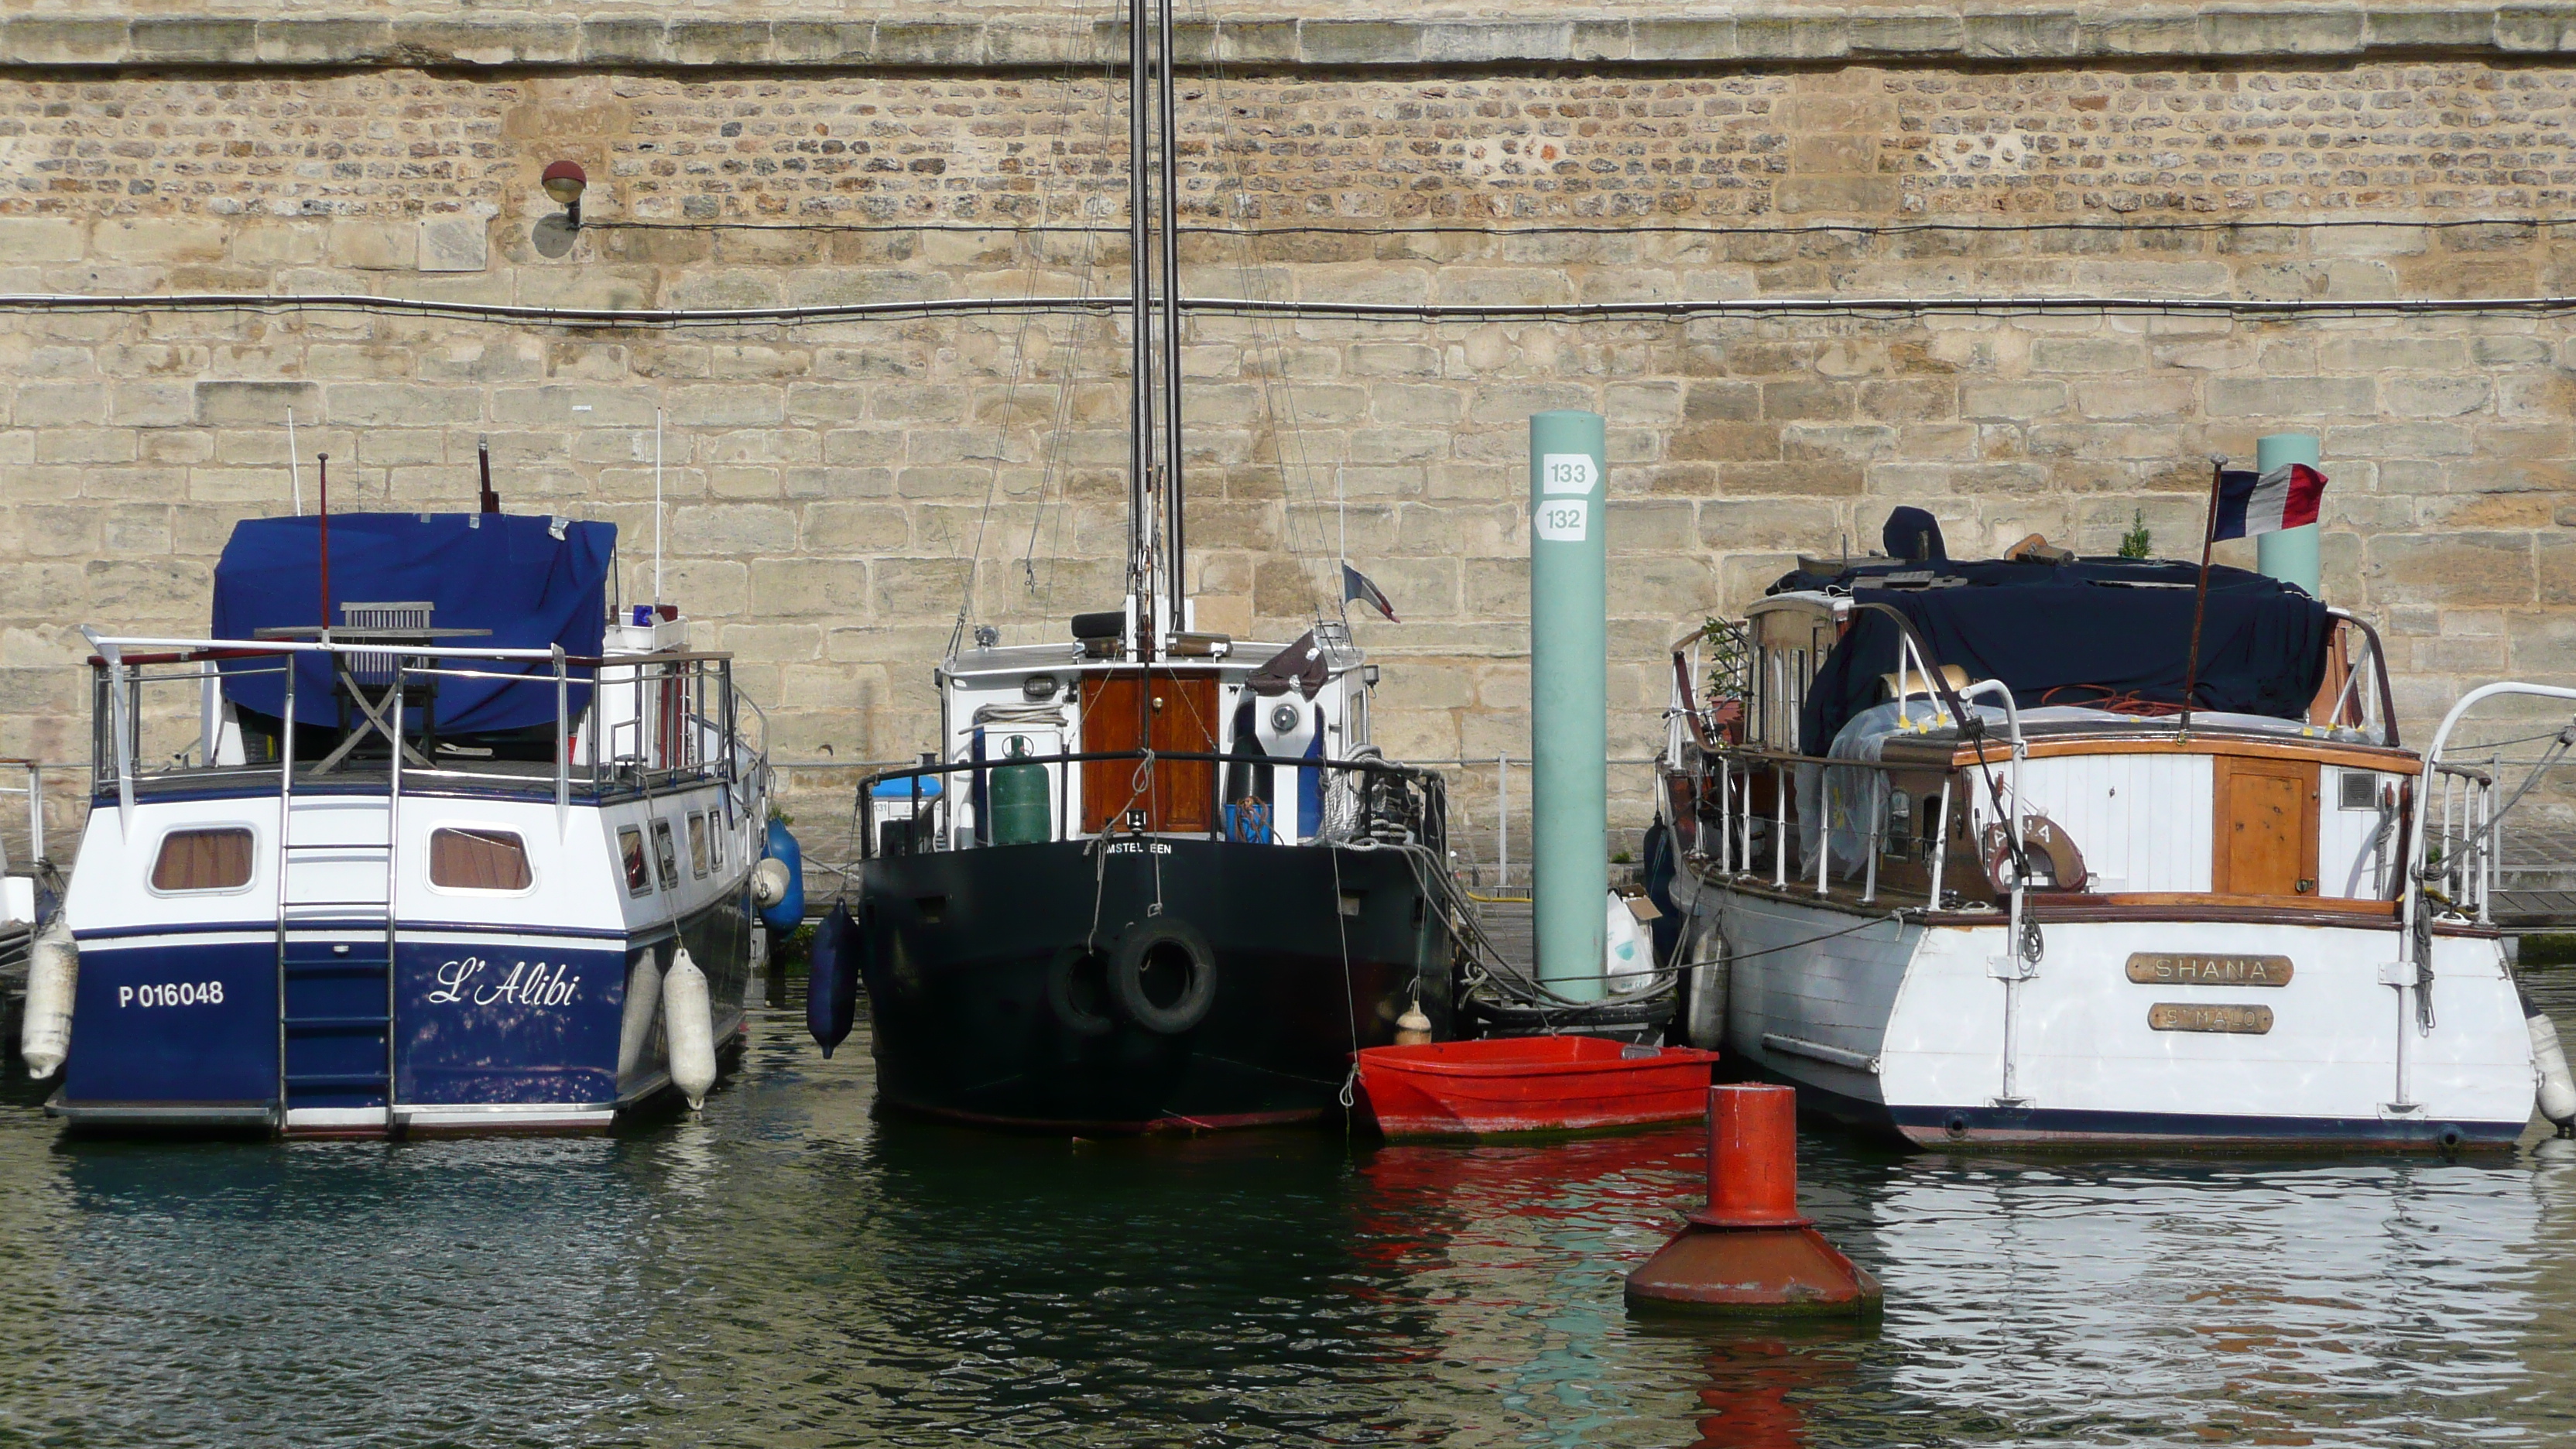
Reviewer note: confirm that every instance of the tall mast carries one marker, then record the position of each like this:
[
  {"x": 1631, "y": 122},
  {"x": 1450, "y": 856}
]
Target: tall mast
[
  {"x": 1176, "y": 556},
  {"x": 1140, "y": 404}
]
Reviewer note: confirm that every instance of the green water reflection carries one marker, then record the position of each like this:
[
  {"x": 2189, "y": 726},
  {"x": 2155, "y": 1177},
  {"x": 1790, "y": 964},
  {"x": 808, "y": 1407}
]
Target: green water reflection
[{"x": 788, "y": 1270}]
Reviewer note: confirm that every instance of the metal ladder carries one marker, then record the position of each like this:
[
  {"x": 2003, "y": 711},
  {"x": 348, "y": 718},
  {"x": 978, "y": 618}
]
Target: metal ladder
[{"x": 335, "y": 999}]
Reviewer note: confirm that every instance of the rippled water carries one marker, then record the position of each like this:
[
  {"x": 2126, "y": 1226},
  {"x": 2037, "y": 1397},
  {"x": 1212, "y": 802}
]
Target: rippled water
[{"x": 788, "y": 1270}]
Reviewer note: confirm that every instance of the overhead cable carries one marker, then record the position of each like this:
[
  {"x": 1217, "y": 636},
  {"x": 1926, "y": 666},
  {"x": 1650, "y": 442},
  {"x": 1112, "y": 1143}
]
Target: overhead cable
[{"x": 1436, "y": 312}]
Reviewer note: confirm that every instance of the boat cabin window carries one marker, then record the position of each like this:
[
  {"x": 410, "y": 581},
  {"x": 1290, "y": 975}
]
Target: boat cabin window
[
  {"x": 478, "y": 860},
  {"x": 630, "y": 847},
  {"x": 666, "y": 855},
  {"x": 203, "y": 860},
  {"x": 697, "y": 845}
]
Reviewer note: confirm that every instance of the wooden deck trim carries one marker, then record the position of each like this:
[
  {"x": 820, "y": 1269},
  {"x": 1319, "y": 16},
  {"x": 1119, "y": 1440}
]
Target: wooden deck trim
[
  {"x": 2049, "y": 908},
  {"x": 2325, "y": 752}
]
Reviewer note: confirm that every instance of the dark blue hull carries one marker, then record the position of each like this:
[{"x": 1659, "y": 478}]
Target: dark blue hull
[{"x": 491, "y": 1028}]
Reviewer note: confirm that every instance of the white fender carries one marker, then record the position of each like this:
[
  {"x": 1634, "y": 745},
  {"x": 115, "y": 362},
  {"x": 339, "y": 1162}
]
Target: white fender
[
  {"x": 2548, "y": 1062},
  {"x": 769, "y": 882},
  {"x": 635, "y": 1028},
  {"x": 53, "y": 974},
  {"x": 689, "y": 1023}
]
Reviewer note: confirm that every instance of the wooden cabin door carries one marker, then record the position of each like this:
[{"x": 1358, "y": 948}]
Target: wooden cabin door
[
  {"x": 2265, "y": 827},
  {"x": 1149, "y": 709}
]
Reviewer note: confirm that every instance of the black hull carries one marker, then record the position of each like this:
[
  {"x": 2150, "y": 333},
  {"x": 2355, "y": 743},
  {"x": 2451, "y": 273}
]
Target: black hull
[{"x": 969, "y": 958}]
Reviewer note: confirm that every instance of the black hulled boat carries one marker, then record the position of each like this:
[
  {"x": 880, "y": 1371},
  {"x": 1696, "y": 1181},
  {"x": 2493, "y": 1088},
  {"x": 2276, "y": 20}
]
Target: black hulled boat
[{"x": 1155, "y": 877}]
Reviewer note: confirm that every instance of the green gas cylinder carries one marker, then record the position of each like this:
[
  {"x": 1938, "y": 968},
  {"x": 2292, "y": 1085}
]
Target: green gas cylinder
[{"x": 1017, "y": 797}]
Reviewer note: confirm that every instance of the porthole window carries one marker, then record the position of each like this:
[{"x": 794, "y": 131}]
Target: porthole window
[
  {"x": 630, "y": 846},
  {"x": 478, "y": 860},
  {"x": 697, "y": 845},
  {"x": 666, "y": 855},
  {"x": 203, "y": 860}
]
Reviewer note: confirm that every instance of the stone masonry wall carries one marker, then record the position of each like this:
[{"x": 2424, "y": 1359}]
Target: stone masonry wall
[{"x": 827, "y": 484}]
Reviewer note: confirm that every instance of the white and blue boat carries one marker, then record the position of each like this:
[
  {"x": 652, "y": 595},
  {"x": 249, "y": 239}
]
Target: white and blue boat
[{"x": 427, "y": 834}]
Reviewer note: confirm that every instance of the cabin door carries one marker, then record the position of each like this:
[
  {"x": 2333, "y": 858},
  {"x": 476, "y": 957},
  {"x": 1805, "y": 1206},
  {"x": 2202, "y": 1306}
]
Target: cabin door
[
  {"x": 1157, "y": 709},
  {"x": 2266, "y": 827}
]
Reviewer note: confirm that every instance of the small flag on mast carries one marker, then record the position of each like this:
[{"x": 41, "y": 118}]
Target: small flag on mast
[
  {"x": 1356, "y": 585},
  {"x": 2251, "y": 503}
]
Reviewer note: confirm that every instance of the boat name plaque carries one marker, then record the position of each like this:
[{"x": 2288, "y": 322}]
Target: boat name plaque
[
  {"x": 2209, "y": 1016},
  {"x": 2189, "y": 968}
]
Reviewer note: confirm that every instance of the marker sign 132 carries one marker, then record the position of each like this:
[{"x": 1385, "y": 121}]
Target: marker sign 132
[{"x": 1562, "y": 520}]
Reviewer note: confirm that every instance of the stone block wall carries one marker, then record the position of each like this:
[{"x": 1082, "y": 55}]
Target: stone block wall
[{"x": 832, "y": 488}]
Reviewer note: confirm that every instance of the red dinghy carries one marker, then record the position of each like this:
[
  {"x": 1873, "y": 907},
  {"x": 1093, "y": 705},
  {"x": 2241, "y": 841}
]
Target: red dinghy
[{"x": 1530, "y": 1084}]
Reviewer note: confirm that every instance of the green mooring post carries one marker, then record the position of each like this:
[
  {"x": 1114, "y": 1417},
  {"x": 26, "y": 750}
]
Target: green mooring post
[
  {"x": 2290, "y": 554},
  {"x": 1569, "y": 706}
]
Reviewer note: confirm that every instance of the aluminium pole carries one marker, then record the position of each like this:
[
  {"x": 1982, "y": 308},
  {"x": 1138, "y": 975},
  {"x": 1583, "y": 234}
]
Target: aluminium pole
[
  {"x": 1167, "y": 210},
  {"x": 1569, "y": 708},
  {"x": 1140, "y": 323},
  {"x": 2287, "y": 554}
]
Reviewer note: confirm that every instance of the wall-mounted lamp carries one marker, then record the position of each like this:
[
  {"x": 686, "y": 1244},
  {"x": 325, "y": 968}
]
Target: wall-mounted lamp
[{"x": 565, "y": 181}]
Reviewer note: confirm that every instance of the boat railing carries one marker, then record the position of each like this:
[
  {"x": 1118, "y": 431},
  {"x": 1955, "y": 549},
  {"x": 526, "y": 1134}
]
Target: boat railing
[
  {"x": 2456, "y": 823},
  {"x": 1366, "y": 802},
  {"x": 613, "y": 725},
  {"x": 1716, "y": 787},
  {"x": 2372, "y": 710}
]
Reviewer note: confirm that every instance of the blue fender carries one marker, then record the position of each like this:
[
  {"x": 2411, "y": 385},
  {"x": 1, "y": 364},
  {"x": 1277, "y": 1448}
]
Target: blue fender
[
  {"x": 832, "y": 979},
  {"x": 789, "y": 913}
]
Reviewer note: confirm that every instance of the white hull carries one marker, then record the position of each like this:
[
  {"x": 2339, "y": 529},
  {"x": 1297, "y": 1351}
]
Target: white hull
[{"x": 1904, "y": 1026}]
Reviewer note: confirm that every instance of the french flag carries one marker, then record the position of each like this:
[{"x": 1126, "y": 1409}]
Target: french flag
[{"x": 2250, "y": 503}]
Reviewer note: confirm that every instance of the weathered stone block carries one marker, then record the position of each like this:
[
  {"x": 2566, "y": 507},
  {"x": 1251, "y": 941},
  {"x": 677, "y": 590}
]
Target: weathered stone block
[
  {"x": 365, "y": 404},
  {"x": 159, "y": 239},
  {"x": 2291, "y": 397},
  {"x": 196, "y": 40},
  {"x": 49, "y": 40},
  {"x": 2283, "y": 31},
  {"x": 2451, "y": 569},
  {"x": 453, "y": 243},
  {"x": 1359, "y": 42},
  {"x": 30, "y": 240}
]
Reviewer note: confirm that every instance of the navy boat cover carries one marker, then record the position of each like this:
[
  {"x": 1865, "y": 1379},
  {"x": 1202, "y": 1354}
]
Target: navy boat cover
[
  {"x": 2074, "y": 634},
  {"x": 533, "y": 582}
]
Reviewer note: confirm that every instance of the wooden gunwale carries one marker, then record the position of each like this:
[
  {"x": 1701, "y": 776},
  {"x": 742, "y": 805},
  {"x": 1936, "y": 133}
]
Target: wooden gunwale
[
  {"x": 2074, "y": 908},
  {"x": 1933, "y": 753}
]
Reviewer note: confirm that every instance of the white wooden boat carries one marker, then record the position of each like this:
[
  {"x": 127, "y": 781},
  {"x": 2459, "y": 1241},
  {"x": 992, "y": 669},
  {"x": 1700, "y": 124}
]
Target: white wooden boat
[{"x": 1950, "y": 861}]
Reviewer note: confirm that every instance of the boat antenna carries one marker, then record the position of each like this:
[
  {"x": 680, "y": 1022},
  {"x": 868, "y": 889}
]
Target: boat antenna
[
  {"x": 323, "y": 471},
  {"x": 294, "y": 470},
  {"x": 657, "y": 506},
  {"x": 1140, "y": 323},
  {"x": 491, "y": 501},
  {"x": 1167, "y": 208}
]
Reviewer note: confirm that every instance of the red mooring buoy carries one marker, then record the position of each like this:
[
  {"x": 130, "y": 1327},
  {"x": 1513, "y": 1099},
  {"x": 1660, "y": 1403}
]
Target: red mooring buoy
[{"x": 1750, "y": 1252}]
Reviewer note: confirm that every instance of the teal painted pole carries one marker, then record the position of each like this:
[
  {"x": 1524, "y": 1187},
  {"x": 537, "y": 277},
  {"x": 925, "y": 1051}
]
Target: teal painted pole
[
  {"x": 1569, "y": 704},
  {"x": 2291, "y": 553}
]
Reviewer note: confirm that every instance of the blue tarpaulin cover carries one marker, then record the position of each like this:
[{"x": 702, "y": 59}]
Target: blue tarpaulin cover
[
  {"x": 2076, "y": 633},
  {"x": 493, "y": 571}
]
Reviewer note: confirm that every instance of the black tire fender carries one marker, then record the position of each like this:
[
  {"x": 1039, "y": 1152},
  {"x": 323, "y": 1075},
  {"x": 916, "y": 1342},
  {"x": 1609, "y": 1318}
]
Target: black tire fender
[
  {"x": 1075, "y": 973},
  {"x": 1159, "y": 943}
]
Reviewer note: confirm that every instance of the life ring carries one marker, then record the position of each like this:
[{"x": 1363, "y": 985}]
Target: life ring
[
  {"x": 1077, "y": 991},
  {"x": 2044, "y": 840},
  {"x": 1163, "y": 976}
]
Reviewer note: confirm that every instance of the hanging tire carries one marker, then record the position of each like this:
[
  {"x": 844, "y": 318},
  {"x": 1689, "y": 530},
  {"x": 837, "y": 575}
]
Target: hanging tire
[
  {"x": 1163, "y": 976},
  {"x": 1077, "y": 991}
]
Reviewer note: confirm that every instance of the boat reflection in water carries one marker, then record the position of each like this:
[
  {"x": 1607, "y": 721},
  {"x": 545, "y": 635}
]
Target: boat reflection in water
[{"x": 790, "y": 1270}]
